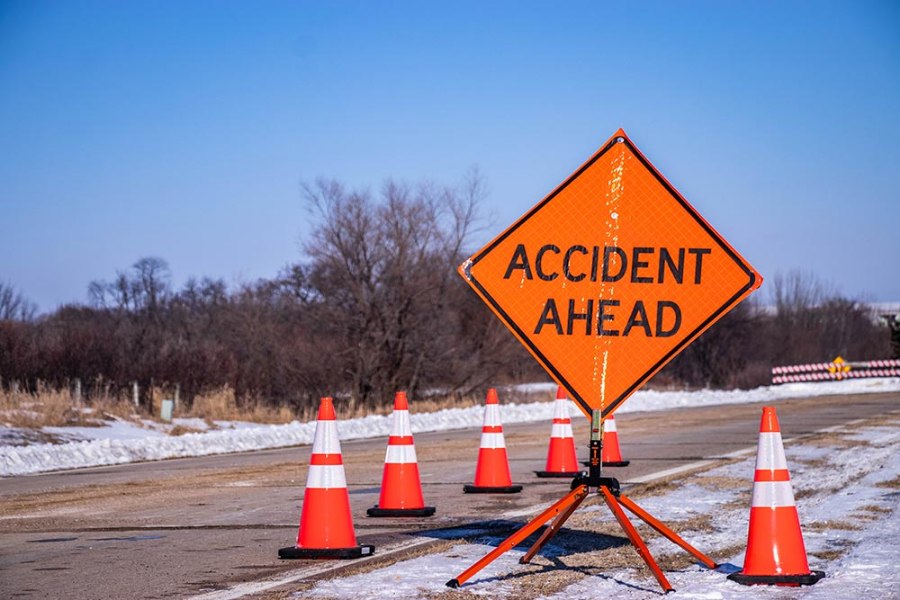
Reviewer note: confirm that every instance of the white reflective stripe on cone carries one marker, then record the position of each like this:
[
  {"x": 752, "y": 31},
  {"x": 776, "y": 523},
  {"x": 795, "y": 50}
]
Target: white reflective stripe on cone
[
  {"x": 400, "y": 453},
  {"x": 401, "y": 423},
  {"x": 492, "y": 440},
  {"x": 326, "y": 440},
  {"x": 561, "y": 410},
  {"x": 771, "y": 452},
  {"x": 772, "y": 494},
  {"x": 561, "y": 430},
  {"x": 326, "y": 476},
  {"x": 492, "y": 415},
  {"x": 609, "y": 425}
]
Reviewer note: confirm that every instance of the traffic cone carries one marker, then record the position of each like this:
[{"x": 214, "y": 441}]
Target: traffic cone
[
  {"x": 561, "y": 458},
  {"x": 326, "y": 525},
  {"x": 401, "y": 490},
  {"x": 610, "y": 455},
  {"x": 775, "y": 551},
  {"x": 492, "y": 473}
]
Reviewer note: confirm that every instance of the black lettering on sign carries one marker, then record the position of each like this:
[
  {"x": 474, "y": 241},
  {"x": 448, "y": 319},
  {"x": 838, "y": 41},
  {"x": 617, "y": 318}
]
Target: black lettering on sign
[
  {"x": 637, "y": 263},
  {"x": 519, "y": 261},
  {"x": 608, "y": 251},
  {"x": 549, "y": 316},
  {"x": 595, "y": 260},
  {"x": 587, "y": 317},
  {"x": 538, "y": 266},
  {"x": 638, "y": 318},
  {"x": 667, "y": 320},
  {"x": 676, "y": 269},
  {"x": 661, "y": 307},
  {"x": 602, "y": 317},
  {"x": 567, "y": 259},
  {"x": 646, "y": 262},
  {"x": 698, "y": 266}
]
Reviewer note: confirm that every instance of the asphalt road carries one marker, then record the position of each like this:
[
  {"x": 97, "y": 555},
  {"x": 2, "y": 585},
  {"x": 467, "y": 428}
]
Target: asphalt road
[{"x": 184, "y": 527}]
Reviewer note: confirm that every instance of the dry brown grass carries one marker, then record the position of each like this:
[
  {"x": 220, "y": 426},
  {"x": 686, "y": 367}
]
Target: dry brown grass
[
  {"x": 436, "y": 403},
  {"x": 44, "y": 408},
  {"x": 832, "y": 524},
  {"x": 890, "y": 484},
  {"x": 719, "y": 482},
  {"x": 50, "y": 407},
  {"x": 221, "y": 405}
]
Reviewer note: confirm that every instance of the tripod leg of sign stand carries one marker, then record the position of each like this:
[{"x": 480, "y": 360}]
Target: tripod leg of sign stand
[
  {"x": 635, "y": 538},
  {"x": 573, "y": 497},
  {"x": 665, "y": 531},
  {"x": 552, "y": 530}
]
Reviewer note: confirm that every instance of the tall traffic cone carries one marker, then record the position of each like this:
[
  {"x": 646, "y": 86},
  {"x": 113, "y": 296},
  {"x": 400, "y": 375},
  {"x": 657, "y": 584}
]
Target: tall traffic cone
[
  {"x": 561, "y": 458},
  {"x": 401, "y": 490},
  {"x": 775, "y": 551},
  {"x": 326, "y": 525},
  {"x": 492, "y": 473}
]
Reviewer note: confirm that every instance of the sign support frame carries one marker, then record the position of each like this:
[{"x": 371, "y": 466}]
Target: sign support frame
[{"x": 562, "y": 509}]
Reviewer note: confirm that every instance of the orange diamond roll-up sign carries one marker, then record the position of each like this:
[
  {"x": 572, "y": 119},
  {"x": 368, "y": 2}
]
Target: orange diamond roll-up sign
[{"x": 609, "y": 277}]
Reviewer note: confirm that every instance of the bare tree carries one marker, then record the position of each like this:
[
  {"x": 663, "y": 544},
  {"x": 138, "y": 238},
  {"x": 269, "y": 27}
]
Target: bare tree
[
  {"x": 381, "y": 269},
  {"x": 146, "y": 287},
  {"x": 14, "y": 306}
]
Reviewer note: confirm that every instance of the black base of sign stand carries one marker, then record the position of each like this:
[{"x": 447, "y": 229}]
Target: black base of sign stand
[
  {"x": 481, "y": 489},
  {"x": 560, "y": 474},
  {"x": 610, "y": 463}
]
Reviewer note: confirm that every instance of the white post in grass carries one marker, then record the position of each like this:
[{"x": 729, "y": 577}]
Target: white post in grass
[{"x": 135, "y": 397}]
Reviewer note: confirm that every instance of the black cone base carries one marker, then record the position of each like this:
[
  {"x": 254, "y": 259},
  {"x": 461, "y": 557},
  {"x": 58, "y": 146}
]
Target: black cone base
[
  {"x": 452, "y": 584},
  {"x": 617, "y": 463},
  {"x": 425, "y": 511},
  {"x": 476, "y": 489},
  {"x": 354, "y": 552},
  {"x": 567, "y": 474},
  {"x": 788, "y": 580}
]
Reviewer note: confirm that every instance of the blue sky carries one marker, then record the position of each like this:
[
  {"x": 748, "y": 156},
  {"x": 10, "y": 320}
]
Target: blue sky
[{"x": 183, "y": 130}]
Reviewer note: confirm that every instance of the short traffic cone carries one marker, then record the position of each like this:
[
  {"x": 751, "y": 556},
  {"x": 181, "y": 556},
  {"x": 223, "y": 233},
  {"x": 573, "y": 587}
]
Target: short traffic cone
[
  {"x": 326, "y": 525},
  {"x": 492, "y": 473},
  {"x": 775, "y": 551},
  {"x": 401, "y": 490},
  {"x": 610, "y": 455},
  {"x": 561, "y": 458}
]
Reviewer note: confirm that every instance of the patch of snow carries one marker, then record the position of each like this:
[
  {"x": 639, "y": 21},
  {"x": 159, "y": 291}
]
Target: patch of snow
[{"x": 866, "y": 568}]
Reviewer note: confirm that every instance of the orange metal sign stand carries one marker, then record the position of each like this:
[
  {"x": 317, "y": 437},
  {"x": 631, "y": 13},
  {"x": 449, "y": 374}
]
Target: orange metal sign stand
[{"x": 608, "y": 488}]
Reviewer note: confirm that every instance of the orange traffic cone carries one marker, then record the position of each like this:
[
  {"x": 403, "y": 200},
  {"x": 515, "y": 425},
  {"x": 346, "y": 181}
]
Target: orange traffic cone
[
  {"x": 492, "y": 473},
  {"x": 326, "y": 526},
  {"x": 561, "y": 459},
  {"x": 775, "y": 551},
  {"x": 610, "y": 455},
  {"x": 401, "y": 490}
]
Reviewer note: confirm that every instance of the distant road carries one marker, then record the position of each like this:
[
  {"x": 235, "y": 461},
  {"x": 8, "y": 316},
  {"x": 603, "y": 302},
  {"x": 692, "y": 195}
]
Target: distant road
[{"x": 187, "y": 526}]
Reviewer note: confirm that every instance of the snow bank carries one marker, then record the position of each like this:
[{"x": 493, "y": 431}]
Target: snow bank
[{"x": 123, "y": 442}]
